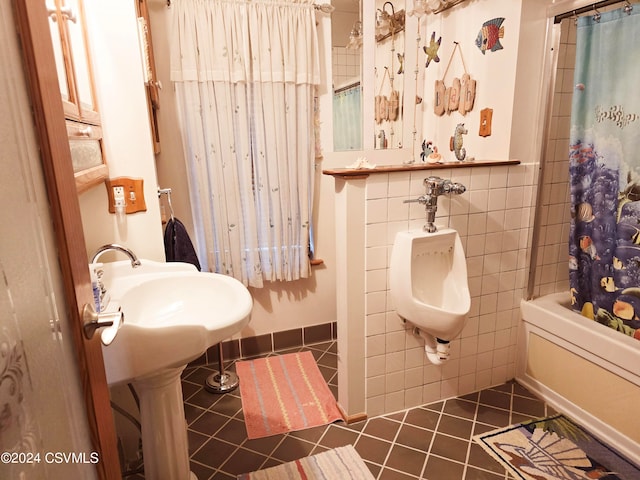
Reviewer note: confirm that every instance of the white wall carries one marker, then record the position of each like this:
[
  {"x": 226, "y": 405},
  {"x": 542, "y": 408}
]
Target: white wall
[
  {"x": 494, "y": 73},
  {"x": 119, "y": 85}
]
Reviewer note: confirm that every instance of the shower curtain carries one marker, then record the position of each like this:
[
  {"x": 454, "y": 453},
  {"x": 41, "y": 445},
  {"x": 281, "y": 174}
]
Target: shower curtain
[
  {"x": 245, "y": 76},
  {"x": 347, "y": 119},
  {"x": 604, "y": 163}
]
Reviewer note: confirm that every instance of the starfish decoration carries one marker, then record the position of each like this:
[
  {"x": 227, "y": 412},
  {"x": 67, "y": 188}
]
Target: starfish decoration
[{"x": 432, "y": 49}]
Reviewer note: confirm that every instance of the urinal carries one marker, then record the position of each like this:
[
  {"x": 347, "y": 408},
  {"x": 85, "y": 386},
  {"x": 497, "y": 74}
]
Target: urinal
[{"x": 429, "y": 286}]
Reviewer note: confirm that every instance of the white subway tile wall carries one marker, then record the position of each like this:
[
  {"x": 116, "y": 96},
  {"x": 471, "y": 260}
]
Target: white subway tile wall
[
  {"x": 346, "y": 66},
  {"x": 552, "y": 271},
  {"x": 493, "y": 219}
]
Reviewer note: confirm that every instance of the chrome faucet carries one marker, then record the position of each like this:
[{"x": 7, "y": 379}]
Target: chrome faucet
[
  {"x": 114, "y": 246},
  {"x": 99, "y": 272},
  {"x": 435, "y": 186}
]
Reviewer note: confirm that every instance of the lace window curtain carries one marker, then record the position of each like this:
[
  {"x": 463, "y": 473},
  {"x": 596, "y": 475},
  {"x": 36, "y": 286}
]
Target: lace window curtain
[{"x": 245, "y": 74}]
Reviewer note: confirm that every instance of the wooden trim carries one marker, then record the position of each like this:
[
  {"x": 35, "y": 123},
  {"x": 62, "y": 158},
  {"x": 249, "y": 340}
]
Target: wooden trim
[
  {"x": 88, "y": 115},
  {"x": 349, "y": 419},
  {"x": 354, "y": 173},
  {"x": 90, "y": 177},
  {"x": 152, "y": 87},
  {"x": 40, "y": 70}
]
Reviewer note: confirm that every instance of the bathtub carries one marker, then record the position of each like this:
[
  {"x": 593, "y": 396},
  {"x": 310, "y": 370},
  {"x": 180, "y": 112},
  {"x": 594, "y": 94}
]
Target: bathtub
[{"x": 583, "y": 369}]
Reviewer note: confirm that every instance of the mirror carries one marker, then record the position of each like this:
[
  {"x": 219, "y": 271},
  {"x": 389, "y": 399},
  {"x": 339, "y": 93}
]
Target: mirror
[
  {"x": 389, "y": 73},
  {"x": 346, "y": 55}
]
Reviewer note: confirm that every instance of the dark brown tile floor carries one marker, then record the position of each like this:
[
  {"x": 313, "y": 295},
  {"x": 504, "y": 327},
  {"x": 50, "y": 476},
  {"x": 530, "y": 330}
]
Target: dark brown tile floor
[{"x": 430, "y": 442}]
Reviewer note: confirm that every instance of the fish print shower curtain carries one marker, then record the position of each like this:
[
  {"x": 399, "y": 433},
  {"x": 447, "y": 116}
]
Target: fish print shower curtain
[{"x": 604, "y": 164}]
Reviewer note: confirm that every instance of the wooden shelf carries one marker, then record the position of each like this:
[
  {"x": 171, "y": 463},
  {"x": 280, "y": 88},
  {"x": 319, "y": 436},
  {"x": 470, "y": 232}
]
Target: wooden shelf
[{"x": 356, "y": 173}]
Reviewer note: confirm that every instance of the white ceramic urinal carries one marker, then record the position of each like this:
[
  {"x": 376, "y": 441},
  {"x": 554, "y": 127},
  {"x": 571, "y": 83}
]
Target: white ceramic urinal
[{"x": 429, "y": 286}]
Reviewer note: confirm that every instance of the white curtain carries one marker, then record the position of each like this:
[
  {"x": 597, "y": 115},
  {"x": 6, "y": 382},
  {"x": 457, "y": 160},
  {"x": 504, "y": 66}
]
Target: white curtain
[{"x": 245, "y": 75}]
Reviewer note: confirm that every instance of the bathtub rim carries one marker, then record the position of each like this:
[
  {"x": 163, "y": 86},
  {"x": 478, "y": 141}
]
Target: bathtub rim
[
  {"x": 544, "y": 326},
  {"x": 597, "y": 343}
]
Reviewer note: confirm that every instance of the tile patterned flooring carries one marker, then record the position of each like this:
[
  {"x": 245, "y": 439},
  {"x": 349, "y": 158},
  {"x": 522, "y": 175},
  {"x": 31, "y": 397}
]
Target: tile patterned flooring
[{"x": 430, "y": 442}]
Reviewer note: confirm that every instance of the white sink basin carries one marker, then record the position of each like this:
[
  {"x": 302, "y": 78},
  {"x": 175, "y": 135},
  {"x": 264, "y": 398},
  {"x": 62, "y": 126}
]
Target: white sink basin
[{"x": 172, "y": 315}]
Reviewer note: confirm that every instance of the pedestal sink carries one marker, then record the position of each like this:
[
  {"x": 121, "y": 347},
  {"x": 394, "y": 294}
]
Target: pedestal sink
[{"x": 172, "y": 315}]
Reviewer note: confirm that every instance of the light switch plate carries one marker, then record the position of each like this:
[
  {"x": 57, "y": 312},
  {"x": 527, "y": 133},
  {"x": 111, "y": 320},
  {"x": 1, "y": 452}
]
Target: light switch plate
[{"x": 486, "y": 116}]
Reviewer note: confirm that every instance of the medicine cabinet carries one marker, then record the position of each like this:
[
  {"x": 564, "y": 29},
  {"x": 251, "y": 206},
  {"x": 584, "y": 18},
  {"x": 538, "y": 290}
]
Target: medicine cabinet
[{"x": 75, "y": 77}]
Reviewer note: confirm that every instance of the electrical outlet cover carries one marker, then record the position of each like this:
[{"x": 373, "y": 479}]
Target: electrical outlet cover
[
  {"x": 118, "y": 196},
  {"x": 132, "y": 190}
]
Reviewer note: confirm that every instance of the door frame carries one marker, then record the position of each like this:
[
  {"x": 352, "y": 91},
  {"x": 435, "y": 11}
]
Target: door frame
[{"x": 40, "y": 71}]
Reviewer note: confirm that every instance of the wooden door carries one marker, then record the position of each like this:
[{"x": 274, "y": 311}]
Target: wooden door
[{"x": 40, "y": 70}]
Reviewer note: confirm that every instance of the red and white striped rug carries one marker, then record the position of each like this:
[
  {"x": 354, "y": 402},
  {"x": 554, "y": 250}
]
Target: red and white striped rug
[{"x": 284, "y": 393}]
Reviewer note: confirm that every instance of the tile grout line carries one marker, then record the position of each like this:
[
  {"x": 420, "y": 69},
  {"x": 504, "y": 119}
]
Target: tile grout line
[
  {"x": 269, "y": 457},
  {"x": 433, "y": 439},
  {"x": 473, "y": 427},
  {"x": 511, "y": 405},
  {"x": 392, "y": 442}
]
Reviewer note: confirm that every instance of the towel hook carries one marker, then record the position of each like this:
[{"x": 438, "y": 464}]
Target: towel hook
[
  {"x": 627, "y": 7},
  {"x": 167, "y": 192},
  {"x": 596, "y": 14}
]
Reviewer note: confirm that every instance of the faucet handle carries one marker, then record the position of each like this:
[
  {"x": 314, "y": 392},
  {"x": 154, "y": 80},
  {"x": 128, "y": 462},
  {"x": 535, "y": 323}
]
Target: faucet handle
[{"x": 421, "y": 199}]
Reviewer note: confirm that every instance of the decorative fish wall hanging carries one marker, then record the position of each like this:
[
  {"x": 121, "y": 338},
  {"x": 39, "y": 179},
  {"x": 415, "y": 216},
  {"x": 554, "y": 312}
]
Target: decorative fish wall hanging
[{"x": 490, "y": 34}]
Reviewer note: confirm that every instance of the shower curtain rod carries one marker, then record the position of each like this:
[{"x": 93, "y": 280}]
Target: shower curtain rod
[
  {"x": 588, "y": 8},
  {"x": 324, "y": 8},
  {"x": 346, "y": 87}
]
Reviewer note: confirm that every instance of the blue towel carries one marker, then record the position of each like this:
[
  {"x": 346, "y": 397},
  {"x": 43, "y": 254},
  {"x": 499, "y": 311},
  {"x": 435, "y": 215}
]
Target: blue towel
[{"x": 177, "y": 244}]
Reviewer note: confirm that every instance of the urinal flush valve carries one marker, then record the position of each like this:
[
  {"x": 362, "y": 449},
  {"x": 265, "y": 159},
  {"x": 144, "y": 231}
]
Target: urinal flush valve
[{"x": 436, "y": 186}]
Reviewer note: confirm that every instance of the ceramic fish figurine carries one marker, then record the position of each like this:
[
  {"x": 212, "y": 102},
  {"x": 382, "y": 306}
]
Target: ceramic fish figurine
[{"x": 490, "y": 34}]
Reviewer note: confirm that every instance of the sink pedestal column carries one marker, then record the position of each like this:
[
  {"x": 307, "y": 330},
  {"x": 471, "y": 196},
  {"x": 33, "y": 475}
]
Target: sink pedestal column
[{"x": 164, "y": 429}]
